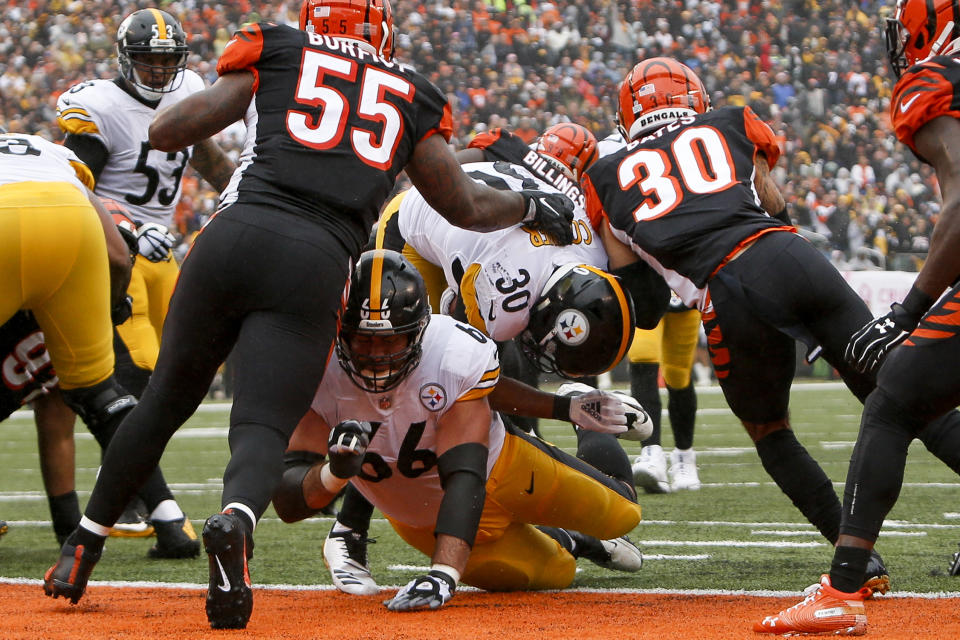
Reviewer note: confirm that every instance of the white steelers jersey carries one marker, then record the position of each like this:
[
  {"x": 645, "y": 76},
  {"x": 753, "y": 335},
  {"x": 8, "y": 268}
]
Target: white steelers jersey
[
  {"x": 399, "y": 473},
  {"x": 498, "y": 275},
  {"x": 27, "y": 158},
  {"x": 146, "y": 181}
]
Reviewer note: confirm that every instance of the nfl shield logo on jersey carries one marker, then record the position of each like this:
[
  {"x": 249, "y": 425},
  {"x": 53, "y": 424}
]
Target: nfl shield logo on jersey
[
  {"x": 572, "y": 327},
  {"x": 433, "y": 396}
]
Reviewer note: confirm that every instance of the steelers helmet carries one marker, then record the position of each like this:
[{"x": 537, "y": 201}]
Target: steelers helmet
[
  {"x": 581, "y": 325},
  {"x": 381, "y": 331},
  {"x": 152, "y": 32}
]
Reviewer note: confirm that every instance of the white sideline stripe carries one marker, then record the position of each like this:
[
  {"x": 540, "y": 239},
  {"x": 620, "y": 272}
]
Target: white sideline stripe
[
  {"x": 887, "y": 524},
  {"x": 726, "y": 543},
  {"x": 886, "y": 534},
  {"x": 935, "y": 595}
]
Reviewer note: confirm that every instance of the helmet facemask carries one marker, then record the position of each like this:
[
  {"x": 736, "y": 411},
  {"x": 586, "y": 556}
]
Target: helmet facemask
[
  {"x": 152, "y": 52},
  {"x": 381, "y": 371}
]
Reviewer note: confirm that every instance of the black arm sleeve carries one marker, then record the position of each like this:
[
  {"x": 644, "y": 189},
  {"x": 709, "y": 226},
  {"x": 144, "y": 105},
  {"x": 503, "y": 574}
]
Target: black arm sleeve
[
  {"x": 288, "y": 497},
  {"x": 463, "y": 476},
  {"x": 89, "y": 149},
  {"x": 650, "y": 293}
]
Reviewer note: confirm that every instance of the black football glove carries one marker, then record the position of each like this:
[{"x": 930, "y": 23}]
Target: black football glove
[
  {"x": 346, "y": 445},
  {"x": 870, "y": 345},
  {"x": 551, "y": 213},
  {"x": 122, "y": 311},
  {"x": 430, "y": 591}
]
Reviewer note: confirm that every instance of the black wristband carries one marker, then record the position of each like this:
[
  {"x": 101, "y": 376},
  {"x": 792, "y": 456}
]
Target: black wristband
[
  {"x": 917, "y": 302},
  {"x": 561, "y": 408},
  {"x": 446, "y": 578}
]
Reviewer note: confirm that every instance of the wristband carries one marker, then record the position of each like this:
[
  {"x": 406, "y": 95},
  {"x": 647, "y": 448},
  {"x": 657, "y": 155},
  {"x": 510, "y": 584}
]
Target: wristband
[
  {"x": 330, "y": 482},
  {"x": 917, "y": 302},
  {"x": 561, "y": 407},
  {"x": 447, "y": 569}
]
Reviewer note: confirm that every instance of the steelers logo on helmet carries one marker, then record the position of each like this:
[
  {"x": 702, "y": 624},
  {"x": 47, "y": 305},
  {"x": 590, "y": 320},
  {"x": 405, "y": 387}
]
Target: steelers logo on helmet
[
  {"x": 152, "y": 52},
  {"x": 572, "y": 327},
  {"x": 433, "y": 396},
  {"x": 381, "y": 335}
]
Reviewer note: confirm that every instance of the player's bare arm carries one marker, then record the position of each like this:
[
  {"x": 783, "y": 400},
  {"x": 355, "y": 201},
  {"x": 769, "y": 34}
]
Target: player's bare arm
[
  {"x": 118, "y": 253},
  {"x": 770, "y": 197},
  {"x": 434, "y": 170},
  {"x": 618, "y": 253},
  {"x": 311, "y": 435},
  {"x": 466, "y": 156},
  {"x": 202, "y": 114},
  {"x": 212, "y": 162},
  {"x": 938, "y": 142}
]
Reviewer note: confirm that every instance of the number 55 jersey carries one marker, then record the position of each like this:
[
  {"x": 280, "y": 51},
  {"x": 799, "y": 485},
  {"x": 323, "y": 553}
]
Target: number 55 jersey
[{"x": 684, "y": 196}]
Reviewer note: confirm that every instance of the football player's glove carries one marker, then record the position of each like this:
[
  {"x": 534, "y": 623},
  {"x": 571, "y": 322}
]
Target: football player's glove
[
  {"x": 154, "y": 241},
  {"x": 870, "y": 345},
  {"x": 595, "y": 410},
  {"x": 430, "y": 591},
  {"x": 346, "y": 446},
  {"x": 551, "y": 213},
  {"x": 639, "y": 424},
  {"x": 122, "y": 311}
]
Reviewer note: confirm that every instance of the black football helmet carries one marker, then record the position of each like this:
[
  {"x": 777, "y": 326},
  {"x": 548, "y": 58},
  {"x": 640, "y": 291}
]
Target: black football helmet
[
  {"x": 387, "y": 298},
  {"x": 152, "y": 32},
  {"x": 581, "y": 325}
]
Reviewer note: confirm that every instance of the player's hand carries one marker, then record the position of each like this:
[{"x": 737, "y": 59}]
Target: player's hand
[
  {"x": 593, "y": 409},
  {"x": 346, "y": 445},
  {"x": 551, "y": 213},
  {"x": 122, "y": 311},
  {"x": 154, "y": 241},
  {"x": 870, "y": 345},
  {"x": 430, "y": 591},
  {"x": 639, "y": 424}
]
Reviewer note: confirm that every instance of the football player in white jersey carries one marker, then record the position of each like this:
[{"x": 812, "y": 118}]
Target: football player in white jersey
[
  {"x": 403, "y": 413},
  {"x": 106, "y": 122}
]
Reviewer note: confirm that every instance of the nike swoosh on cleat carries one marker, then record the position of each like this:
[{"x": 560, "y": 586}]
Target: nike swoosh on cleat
[{"x": 223, "y": 574}]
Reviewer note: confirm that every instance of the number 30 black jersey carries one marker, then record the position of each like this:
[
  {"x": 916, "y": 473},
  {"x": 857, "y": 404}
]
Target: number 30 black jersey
[
  {"x": 685, "y": 195},
  {"x": 316, "y": 93}
]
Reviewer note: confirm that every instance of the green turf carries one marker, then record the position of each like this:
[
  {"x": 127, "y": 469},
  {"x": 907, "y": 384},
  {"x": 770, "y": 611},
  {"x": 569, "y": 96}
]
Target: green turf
[{"x": 739, "y": 519}]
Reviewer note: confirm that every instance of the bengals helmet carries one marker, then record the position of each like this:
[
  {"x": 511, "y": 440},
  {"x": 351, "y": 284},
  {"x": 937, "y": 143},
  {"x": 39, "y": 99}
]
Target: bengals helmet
[
  {"x": 367, "y": 20},
  {"x": 581, "y": 325},
  {"x": 569, "y": 147},
  {"x": 152, "y": 32},
  {"x": 387, "y": 300},
  {"x": 658, "y": 91},
  {"x": 920, "y": 29}
]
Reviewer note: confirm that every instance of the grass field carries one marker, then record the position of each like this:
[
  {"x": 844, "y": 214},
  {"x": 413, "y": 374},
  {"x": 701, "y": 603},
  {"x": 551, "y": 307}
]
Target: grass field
[{"x": 737, "y": 533}]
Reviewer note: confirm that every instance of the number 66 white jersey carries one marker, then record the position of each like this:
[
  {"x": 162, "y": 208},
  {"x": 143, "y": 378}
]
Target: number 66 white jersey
[
  {"x": 399, "y": 474},
  {"x": 146, "y": 181},
  {"x": 498, "y": 275}
]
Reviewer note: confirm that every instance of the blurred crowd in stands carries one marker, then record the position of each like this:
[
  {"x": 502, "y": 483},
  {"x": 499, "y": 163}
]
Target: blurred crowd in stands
[{"x": 815, "y": 70}]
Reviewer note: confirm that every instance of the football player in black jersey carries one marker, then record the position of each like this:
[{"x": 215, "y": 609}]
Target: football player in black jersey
[
  {"x": 332, "y": 119},
  {"x": 917, "y": 338}
]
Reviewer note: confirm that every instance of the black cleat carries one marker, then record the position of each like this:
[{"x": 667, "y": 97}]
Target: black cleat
[
  {"x": 954, "y": 569},
  {"x": 229, "y": 597},
  {"x": 877, "y": 579},
  {"x": 175, "y": 539},
  {"x": 68, "y": 577}
]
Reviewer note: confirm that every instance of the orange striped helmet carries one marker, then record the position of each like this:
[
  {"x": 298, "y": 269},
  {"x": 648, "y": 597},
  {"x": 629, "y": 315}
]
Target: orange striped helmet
[
  {"x": 920, "y": 29},
  {"x": 367, "y": 20},
  {"x": 569, "y": 147},
  {"x": 658, "y": 91}
]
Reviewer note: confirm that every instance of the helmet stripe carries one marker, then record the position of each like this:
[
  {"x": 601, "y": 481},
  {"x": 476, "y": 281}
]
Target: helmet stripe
[
  {"x": 626, "y": 336},
  {"x": 161, "y": 23},
  {"x": 376, "y": 281}
]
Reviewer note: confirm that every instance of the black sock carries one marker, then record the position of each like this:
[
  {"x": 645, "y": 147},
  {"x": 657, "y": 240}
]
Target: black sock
[
  {"x": 644, "y": 387},
  {"x": 91, "y": 542},
  {"x": 603, "y": 452},
  {"x": 562, "y": 536},
  {"x": 355, "y": 511},
  {"x": 848, "y": 568},
  {"x": 682, "y": 406},
  {"x": 65, "y": 514}
]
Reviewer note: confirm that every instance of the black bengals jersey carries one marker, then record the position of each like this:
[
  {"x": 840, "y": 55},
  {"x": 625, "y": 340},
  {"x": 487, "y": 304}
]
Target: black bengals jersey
[
  {"x": 316, "y": 94},
  {"x": 925, "y": 91},
  {"x": 24, "y": 363},
  {"x": 500, "y": 144},
  {"x": 684, "y": 194}
]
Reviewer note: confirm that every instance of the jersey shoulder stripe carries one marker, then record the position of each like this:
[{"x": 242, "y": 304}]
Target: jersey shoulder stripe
[{"x": 925, "y": 91}]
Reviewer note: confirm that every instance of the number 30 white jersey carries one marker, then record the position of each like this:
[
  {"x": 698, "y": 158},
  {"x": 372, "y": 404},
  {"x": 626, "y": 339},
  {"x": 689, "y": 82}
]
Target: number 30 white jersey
[
  {"x": 498, "y": 275},
  {"x": 145, "y": 180},
  {"x": 399, "y": 473}
]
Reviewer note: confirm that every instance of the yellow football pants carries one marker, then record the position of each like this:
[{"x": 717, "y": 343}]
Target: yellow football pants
[
  {"x": 672, "y": 344},
  {"x": 151, "y": 285},
  {"x": 528, "y": 487},
  {"x": 53, "y": 261}
]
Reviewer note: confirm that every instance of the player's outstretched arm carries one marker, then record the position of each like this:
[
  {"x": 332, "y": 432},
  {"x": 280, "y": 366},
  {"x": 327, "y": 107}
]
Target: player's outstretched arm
[{"x": 202, "y": 114}]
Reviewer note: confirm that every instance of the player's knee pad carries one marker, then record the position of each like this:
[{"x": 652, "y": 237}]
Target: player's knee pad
[
  {"x": 288, "y": 497},
  {"x": 101, "y": 407}
]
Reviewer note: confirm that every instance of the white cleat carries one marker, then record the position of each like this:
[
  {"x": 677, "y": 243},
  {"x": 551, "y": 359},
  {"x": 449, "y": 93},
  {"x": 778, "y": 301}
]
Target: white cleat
[
  {"x": 650, "y": 470},
  {"x": 345, "y": 554},
  {"x": 683, "y": 470},
  {"x": 624, "y": 555}
]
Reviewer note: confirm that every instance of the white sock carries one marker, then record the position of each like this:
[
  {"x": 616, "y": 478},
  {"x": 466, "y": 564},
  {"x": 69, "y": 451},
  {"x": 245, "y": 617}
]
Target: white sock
[
  {"x": 93, "y": 527},
  {"x": 339, "y": 527},
  {"x": 247, "y": 510},
  {"x": 166, "y": 511}
]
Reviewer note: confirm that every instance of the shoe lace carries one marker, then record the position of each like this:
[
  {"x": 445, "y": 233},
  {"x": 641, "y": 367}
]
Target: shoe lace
[
  {"x": 356, "y": 546},
  {"x": 810, "y": 597}
]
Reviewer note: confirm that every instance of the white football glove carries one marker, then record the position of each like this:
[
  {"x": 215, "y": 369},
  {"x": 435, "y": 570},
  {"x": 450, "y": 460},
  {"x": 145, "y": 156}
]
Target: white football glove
[
  {"x": 448, "y": 299},
  {"x": 593, "y": 409},
  {"x": 154, "y": 241},
  {"x": 429, "y": 591},
  {"x": 639, "y": 424}
]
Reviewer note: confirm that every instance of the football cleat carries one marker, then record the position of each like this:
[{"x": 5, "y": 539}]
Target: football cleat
[
  {"x": 954, "y": 569},
  {"x": 345, "y": 554},
  {"x": 229, "y": 597},
  {"x": 650, "y": 470},
  {"x": 132, "y": 523},
  {"x": 623, "y": 555},
  {"x": 876, "y": 577},
  {"x": 68, "y": 577},
  {"x": 175, "y": 539},
  {"x": 824, "y": 611},
  {"x": 3, "y": 527},
  {"x": 683, "y": 470}
]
